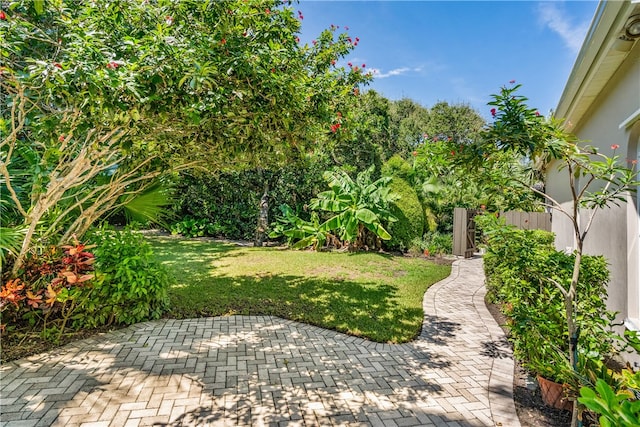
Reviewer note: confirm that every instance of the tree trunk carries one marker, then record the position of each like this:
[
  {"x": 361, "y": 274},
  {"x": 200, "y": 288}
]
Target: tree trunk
[
  {"x": 263, "y": 217},
  {"x": 570, "y": 299}
]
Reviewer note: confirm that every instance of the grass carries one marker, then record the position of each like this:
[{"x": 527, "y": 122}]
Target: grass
[{"x": 372, "y": 295}]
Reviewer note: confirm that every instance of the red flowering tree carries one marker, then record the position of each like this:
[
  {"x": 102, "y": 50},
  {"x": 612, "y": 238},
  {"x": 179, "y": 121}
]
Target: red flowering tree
[{"x": 100, "y": 98}]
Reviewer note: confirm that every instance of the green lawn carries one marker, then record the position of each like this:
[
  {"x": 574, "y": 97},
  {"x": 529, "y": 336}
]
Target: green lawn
[{"x": 372, "y": 295}]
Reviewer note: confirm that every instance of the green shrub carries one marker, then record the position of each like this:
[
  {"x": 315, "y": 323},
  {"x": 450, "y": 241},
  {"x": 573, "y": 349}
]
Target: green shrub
[
  {"x": 433, "y": 243},
  {"x": 396, "y": 166},
  {"x": 408, "y": 211},
  {"x": 520, "y": 266},
  {"x": 230, "y": 200},
  {"x": 130, "y": 285},
  {"x": 49, "y": 291},
  {"x": 619, "y": 408},
  {"x": 190, "y": 227}
]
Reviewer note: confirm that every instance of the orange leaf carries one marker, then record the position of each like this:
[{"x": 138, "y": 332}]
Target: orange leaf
[
  {"x": 33, "y": 300},
  {"x": 51, "y": 296},
  {"x": 85, "y": 277},
  {"x": 70, "y": 276}
]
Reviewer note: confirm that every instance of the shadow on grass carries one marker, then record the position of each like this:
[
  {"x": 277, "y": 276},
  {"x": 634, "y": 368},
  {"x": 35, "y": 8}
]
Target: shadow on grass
[
  {"x": 191, "y": 257},
  {"x": 357, "y": 308}
]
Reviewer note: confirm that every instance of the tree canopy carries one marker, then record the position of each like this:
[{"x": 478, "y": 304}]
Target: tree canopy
[{"x": 99, "y": 98}]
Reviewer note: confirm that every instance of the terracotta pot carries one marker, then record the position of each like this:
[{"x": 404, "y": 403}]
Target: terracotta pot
[{"x": 553, "y": 394}]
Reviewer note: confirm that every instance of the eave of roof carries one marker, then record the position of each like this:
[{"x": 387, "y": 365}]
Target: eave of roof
[{"x": 602, "y": 52}]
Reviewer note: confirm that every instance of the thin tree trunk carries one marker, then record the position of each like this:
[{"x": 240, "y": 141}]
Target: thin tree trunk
[
  {"x": 570, "y": 299},
  {"x": 263, "y": 217}
]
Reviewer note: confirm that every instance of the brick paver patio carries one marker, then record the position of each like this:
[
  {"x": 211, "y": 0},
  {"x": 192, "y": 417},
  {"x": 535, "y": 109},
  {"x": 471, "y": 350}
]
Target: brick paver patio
[{"x": 260, "y": 370}]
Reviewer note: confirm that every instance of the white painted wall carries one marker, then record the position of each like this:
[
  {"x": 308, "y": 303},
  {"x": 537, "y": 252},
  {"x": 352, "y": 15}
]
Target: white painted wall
[{"x": 615, "y": 233}]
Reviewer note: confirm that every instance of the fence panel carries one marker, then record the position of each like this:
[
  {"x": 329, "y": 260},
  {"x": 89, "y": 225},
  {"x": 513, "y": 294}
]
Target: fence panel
[
  {"x": 464, "y": 230},
  {"x": 528, "y": 220}
]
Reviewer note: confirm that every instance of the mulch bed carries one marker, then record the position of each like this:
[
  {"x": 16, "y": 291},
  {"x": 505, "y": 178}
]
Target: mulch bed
[{"x": 532, "y": 411}]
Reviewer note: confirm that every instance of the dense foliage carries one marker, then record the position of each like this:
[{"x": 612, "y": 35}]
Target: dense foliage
[
  {"x": 104, "y": 103},
  {"x": 593, "y": 181},
  {"x": 226, "y": 203},
  {"x": 100, "y": 98},
  {"x": 130, "y": 285},
  {"x": 115, "y": 280},
  {"x": 353, "y": 213},
  {"x": 409, "y": 214},
  {"x": 49, "y": 292},
  {"x": 519, "y": 265}
]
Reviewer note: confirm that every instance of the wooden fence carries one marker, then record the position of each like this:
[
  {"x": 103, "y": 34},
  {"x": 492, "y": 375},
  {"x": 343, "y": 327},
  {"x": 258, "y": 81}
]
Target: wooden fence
[
  {"x": 528, "y": 220},
  {"x": 464, "y": 228}
]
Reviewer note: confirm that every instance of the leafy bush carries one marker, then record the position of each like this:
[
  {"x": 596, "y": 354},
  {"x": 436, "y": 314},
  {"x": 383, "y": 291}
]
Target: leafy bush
[
  {"x": 230, "y": 200},
  {"x": 300, "y": 234},
  {"x": 190, "y": 227},
  {"x": 396, "y": 166},
  {"x": 408, "y": 210},
  {"x": 433, "y": 243},
  {"x": 619, "y": 409},
  {"x": 521, "y": 266},
  {"x": 130, "y": 285},
  {"x": 49, "y": 290}
]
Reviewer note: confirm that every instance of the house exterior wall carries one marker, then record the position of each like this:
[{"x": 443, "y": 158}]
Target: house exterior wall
[{"x": 614, "y": 233}]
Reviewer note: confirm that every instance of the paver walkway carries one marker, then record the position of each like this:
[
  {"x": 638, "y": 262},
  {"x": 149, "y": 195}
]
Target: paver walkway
[{"x": 260, "y": 370}]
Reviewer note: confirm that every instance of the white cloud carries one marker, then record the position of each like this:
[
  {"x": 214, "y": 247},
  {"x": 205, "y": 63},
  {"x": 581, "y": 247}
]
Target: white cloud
[
  {"x": 377, "y": 73},
  {"x": 556, "y": 19}
]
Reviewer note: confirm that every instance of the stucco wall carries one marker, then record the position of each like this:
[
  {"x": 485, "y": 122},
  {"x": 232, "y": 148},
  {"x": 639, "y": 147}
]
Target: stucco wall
[{"x": 615, "y": 230}]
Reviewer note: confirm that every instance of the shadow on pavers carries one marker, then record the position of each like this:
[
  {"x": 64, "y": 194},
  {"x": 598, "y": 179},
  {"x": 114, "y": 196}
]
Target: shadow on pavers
[
  {"x": 438, "y": 331},
  {"x": 500, "y": 349},
  {"x": 270, "y": 367}
]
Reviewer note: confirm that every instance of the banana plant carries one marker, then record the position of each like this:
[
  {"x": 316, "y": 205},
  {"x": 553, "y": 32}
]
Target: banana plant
[
  {"x": 295, "y": 229},
  {"x": 359, "y": 205}
]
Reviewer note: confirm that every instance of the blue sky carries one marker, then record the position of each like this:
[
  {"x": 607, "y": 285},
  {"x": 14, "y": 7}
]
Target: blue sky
[{"x": 459, "y": 51}]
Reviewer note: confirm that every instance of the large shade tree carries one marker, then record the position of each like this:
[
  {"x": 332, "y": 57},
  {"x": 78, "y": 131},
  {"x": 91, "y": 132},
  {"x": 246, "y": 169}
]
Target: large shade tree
[{"x": 99, "y": 98}]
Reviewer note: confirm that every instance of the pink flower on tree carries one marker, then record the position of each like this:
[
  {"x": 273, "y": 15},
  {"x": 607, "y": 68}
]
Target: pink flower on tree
[{"x": 493, "y": 112}]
